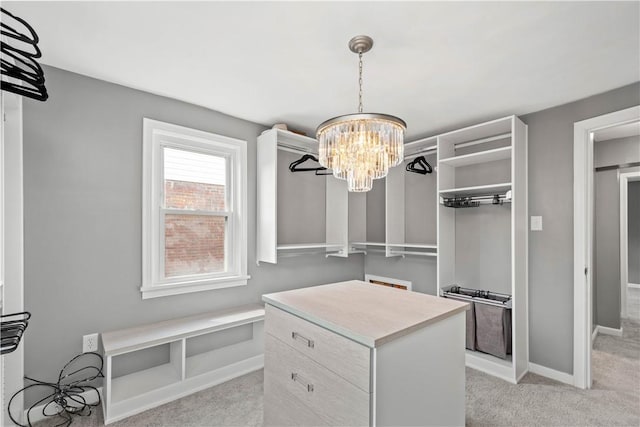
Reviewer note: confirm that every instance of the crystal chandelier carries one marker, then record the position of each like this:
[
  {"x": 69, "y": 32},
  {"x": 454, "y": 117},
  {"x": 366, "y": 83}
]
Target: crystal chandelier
[{"x": 361, "y": 147}]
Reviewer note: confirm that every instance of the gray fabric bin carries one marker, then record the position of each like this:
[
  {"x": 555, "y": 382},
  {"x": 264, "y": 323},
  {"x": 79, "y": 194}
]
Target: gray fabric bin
[
  {"x": 493, "y": 330},
  {"x": 471, "y": 323}
]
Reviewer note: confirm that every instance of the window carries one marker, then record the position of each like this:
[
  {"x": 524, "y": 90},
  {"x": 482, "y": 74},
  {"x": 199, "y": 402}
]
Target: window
[{"x": 194, "y": 210}]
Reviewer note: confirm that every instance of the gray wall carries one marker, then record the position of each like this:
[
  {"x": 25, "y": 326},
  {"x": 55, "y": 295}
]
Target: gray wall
[
  {"x": 83, "y": 180},
  {"x": 633, "y": 218},
  {"x": 607, "y": 227},
  {"x": 82, "y": 220},
  {"x": 606, "y": 275},
  {"x": 551, "y": 195},
  {"x": 616, "y": 151}
]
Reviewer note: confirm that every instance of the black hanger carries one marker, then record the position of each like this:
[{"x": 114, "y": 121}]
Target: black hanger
[
  {"x": 419, "y": 165},
  {"x": 294, "y": 166},
  {"x": 7, "y": 30},
  {"x": 26, "y": 76}
]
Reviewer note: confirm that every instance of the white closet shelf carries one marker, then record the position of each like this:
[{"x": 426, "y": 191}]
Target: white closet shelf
[
  {"x": 478, "y": 132},
  {"x": 479, "y": 157},
  {"x": 297, "y": 246},
  {"x": 414, "y": 148},
  {"x": 288, "y": 139},
  {"x": 478, "y": 189},
  {"x": 413, "y": 245},
  {"x": 137, "y": 383},
  {"x": 135, "y": 392},
  {"x": 370, "y": 244},
  {"x": 416, "y": 253}
]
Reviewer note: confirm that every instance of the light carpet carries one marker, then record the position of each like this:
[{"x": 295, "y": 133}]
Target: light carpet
[{"x": 614, "y": 399}]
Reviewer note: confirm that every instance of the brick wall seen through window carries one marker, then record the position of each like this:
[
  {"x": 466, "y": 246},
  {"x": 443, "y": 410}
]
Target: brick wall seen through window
[{"x": 194, "y": 244}]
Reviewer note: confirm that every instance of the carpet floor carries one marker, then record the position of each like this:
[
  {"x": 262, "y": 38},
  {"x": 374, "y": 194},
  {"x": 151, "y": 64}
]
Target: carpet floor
[{"x": 614, "y": 399}]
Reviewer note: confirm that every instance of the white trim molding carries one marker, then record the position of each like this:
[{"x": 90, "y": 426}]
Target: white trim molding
[
  {"x": 624, "y": 179},
  {"x": 158, "y": 136},
  {"x": 543, "y": 371},
  {"x": 582, "y": 235},
  {"x": 633, "y": 285},
  {"x": 605, "y": 330}
]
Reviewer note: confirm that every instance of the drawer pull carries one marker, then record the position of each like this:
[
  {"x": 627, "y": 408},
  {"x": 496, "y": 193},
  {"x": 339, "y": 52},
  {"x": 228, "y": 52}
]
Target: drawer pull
[
  {"x": 296, "y": 336},
  {"x": 297, "y": 378}
]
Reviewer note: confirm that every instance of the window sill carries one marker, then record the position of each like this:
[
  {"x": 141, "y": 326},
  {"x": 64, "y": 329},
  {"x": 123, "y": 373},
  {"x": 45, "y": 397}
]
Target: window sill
[{"x": 194, "y": 286}]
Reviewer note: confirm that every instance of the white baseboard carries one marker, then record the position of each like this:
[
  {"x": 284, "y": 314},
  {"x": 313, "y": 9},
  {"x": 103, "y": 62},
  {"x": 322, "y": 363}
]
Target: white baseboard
[
  {"x": 609, "y": 331},
  {"x": 633, "y": 285},
  {"x": 594, "y": 334},
  {"x": 562, "y": 377},
  {"x": 36, "y": 413}
]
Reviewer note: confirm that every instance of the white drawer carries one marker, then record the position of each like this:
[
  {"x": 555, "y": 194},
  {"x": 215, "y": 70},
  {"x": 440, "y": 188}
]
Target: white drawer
[
  {"x": 346, "y": 358},
  {"x": 326, "y": 394},
  {"x": 282, "y": 408}
]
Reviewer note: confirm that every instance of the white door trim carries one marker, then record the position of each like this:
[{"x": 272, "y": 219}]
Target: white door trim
[
  {"x": 13, "y": 249},
  {"x": 624, "y": 237},
  {"x": 582, "y": 235}
]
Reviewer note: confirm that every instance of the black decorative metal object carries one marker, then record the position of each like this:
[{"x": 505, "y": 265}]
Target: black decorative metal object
[{"x": 68, "y": 396}]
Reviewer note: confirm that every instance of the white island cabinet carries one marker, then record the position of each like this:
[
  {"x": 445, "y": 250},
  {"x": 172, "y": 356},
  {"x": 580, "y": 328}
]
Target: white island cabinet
[{"x": 355, "y": 354}]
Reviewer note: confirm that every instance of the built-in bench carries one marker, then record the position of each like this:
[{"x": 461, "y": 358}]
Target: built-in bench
[{"x": 184, "y": 373}]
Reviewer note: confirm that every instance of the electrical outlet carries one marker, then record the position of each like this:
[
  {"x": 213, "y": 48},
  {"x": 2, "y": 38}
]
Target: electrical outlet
[
  {"x": 90, "y": 343},
  {"x": 536, "y": 223}
]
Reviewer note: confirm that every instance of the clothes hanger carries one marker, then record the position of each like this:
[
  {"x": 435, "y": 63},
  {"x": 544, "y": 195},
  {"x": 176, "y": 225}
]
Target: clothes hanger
[
  {"x": 24, "y": 41},
  {"x": 26, "y": 76},
  {"x": 294, "y": 166},
  {"x": 7, "y": 30},
  {"x": 419, "y": 165}
]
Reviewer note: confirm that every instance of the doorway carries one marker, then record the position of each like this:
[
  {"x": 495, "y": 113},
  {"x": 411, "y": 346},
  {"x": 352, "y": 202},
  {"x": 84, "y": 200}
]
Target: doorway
[
  {"x": 583, "y": 161},
  {"x": 630, "y": 244}
]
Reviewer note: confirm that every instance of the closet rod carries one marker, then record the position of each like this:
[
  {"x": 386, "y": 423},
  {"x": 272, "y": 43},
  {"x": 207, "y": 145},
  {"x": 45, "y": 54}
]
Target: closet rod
[
  {"x": 339, "y": 254},
  {"x": 614, "y": 167},
  {"x": 426, "y": 151},
  {"x": 483, "y": 140},
  {"x": 305, "y": 252},
  {"x": 294, "y": 149}
]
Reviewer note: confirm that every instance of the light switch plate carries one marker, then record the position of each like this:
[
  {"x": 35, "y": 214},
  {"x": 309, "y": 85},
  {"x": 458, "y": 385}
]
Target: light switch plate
[{"x": 536, "y": 223}]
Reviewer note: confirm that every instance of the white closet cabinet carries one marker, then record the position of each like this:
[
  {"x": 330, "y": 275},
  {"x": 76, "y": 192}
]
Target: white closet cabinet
[
  {"x": 300, "y": 212},
  {"x": 485, "y": 247}
]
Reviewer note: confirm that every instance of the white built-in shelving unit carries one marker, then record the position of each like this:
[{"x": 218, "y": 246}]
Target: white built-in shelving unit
[
  {"x": 295, "y": 201},
  {"x": 396, "y": 242},
  {"x": 486, "y": 247},
  {"x": 188, "y": 368},
  {"x": 344, "y": 226}
]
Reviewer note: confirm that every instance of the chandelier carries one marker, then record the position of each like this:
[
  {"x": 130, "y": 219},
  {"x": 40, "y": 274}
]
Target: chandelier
[{"x": 361, "y": 147}]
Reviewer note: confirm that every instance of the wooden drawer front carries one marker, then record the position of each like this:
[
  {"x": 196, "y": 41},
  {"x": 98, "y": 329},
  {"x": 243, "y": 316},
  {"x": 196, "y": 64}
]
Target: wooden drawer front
[
  {"x": 347, "y": 358},
  {"x": 336, "y": 400},
  {"x": 282, "y": 408}
]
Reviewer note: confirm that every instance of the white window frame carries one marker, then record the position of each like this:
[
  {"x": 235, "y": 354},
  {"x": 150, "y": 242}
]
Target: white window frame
[{"x": 157, "y": 136}]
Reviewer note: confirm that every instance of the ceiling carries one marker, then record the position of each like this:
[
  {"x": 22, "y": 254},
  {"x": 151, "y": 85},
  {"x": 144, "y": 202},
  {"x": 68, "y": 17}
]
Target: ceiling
[
  {"x": 437, "y": 65},
  {"x": 617, "y": 132}
]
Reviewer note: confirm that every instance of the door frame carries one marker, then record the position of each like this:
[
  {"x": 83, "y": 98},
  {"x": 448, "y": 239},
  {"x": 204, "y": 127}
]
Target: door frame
[
  {"x": 625, "y": 178},
  {"x": 583, "y": 236}
]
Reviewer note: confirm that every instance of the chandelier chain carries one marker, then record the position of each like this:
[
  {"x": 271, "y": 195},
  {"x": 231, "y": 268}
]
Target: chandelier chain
[{"x": 360, "y": 82}]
